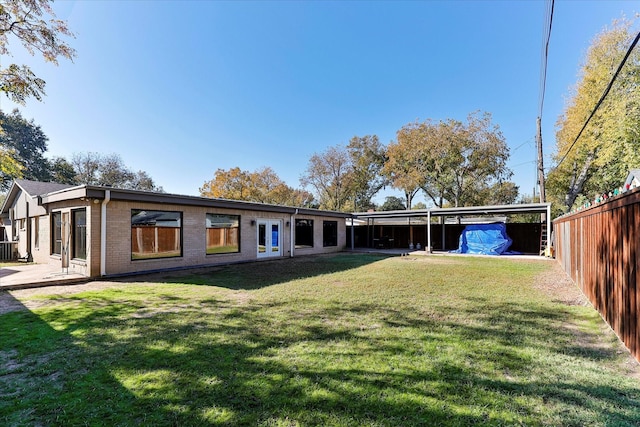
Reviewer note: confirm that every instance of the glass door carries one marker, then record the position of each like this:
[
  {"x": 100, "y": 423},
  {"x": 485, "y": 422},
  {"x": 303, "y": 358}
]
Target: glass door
[{"x": 269, "y": 238}]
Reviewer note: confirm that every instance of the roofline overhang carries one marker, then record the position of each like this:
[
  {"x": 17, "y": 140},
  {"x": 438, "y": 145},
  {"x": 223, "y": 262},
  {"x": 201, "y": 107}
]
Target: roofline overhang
[
  {"x": 95, "y": 192},
  {"x": 466, "y": 210}
]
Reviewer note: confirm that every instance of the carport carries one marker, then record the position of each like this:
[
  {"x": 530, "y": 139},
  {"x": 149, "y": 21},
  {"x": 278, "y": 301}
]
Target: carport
[{"x": 456, "y": 213}]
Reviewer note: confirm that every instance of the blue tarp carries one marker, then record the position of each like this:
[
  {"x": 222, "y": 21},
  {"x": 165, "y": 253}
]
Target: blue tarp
[{"x": 485, "y": 239}]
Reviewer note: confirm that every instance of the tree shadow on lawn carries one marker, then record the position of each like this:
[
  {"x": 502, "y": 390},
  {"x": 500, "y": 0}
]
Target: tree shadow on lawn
[
  {"x": 46, "y": 378},
  {"x": 264, "y": 364},
  {"x": 259, "y": 274}
]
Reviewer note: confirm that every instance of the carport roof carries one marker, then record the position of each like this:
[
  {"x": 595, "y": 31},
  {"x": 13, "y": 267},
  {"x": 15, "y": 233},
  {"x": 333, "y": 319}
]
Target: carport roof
[{"x": 466, "y": 210}]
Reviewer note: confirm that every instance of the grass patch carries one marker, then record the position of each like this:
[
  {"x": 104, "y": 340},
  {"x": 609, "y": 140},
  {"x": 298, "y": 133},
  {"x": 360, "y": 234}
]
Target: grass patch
[{"x": 336, "y": 340}]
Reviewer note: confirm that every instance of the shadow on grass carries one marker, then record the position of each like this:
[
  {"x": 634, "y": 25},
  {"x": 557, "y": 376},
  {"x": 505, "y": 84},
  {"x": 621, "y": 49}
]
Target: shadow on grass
[
  {"x": 259, "y": 274},
  {"x": 215, "y": 363},
  {"x": 46, "y": 378}
]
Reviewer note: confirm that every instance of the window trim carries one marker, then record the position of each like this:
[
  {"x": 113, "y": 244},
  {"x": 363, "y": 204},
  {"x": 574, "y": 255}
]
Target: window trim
[
  {"x": 311, "y": 234},
  {"x": 238, "y": 227},
  {"x": 74, "y": 227},
  {"x": 143, "y": 256},
  {"x": 324, "y": 234},
  {"x": 54, "y": 227}
]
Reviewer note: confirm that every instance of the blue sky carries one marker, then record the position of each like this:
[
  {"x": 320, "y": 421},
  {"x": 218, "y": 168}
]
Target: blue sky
[{"x": 181, "y": 88}]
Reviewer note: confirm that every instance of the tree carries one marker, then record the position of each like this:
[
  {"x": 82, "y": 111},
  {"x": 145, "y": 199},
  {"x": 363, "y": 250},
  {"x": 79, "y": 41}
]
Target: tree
[
  {"x": 10, "y": 167},
  {"x": 29, "y": 143},
  {"x": 610, "y": 145},
  {"x": 262, "y": 186},
  {"x": 109, "y": 170},
  {"x": 330, "y": 175},
  {"x": 34, "y": 25},
  {"x": 367, "y": 156},
  {"x": 454, "y": 163},
  {"x": 233, "y": 184},
  {"x": 403, "y": 168},
  {"x": 62, "y": 171},
  {"x": 392, "y": 203}
]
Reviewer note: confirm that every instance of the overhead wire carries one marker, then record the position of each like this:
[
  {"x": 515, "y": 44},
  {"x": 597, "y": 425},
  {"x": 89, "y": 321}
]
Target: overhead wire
[
  {"x": 602, "y": 98},
  {"x": 546, "y": 36}
]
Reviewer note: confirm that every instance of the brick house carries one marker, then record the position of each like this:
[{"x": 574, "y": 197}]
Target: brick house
[{"x": 102, "y": 231}]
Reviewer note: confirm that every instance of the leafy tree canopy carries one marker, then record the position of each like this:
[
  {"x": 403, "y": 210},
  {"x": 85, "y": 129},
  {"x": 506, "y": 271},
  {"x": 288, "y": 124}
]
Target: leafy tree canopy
[
  {"x": 108, "y": 170},
  {"x": 262, "y": 186},
  {"x": 454, "y": 163},
  {"x": 367, "y": 156},
  {"x": 393, "y": 203},
  {"x": 10, "y": 167},
  {"x": 330, "y": 175},
  {"x": 33, "y": 24},
  {"x": 28, "y": 143},
  {"x": 610, "y": 145}
]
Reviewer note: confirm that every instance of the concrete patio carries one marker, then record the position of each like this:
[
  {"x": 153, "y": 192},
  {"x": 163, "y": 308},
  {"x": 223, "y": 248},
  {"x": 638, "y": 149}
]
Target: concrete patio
[{"x": 31, "y": 275}]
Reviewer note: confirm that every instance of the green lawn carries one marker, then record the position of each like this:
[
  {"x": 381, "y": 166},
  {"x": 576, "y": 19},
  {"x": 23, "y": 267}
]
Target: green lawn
[{"x": 340, "y": 340}]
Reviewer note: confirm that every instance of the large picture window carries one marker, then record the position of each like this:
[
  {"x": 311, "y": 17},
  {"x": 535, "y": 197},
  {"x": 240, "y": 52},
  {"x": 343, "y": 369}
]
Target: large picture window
[
  {"x": 223, "y": 233},
  {"x": 304, "y": 233},
  {"x": 79, "y": 219},
  {"x": 155, "y": 234},
  {"x": 329, "y": 233},
  {"x": 56, "y": 235}
]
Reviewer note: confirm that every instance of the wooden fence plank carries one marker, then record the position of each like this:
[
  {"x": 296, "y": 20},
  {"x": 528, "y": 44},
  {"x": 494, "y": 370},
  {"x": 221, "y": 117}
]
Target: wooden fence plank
[{"x": 598, "y": 249}]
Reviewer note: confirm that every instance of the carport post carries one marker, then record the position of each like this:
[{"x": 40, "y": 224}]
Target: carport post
[
  {"x": 428, "y": 248},
  {"x": 352, "y": 232}
]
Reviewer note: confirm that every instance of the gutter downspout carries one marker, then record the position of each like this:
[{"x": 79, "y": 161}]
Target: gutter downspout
[
  {"x": 291, "y": 236},
  {"x": 28, "y": 224},
  {"x": 103, "y": 233}
]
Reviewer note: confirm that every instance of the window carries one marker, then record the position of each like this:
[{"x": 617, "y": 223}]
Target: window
[
  {"x": 155, "y": 234},
  {"x": 79, "y": 224},
  {"x": 304, "y": 233},
  {"x": 330, "y": 233},
  {"x": 56, "y": 236},
  {"x": 223, "y": 233}
]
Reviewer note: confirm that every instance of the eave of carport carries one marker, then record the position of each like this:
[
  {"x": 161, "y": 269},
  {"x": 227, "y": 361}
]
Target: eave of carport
[{"x": 523, "y": 208}]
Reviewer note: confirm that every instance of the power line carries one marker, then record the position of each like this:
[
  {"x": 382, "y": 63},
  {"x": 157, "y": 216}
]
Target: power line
[
  {"x": 543, "y": 83},
  {"x": 604, "y": 95},
  {"x": 546, "y": 31}
]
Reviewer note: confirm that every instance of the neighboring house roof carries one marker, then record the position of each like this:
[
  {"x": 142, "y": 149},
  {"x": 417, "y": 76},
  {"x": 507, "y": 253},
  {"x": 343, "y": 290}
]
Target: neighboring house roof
[
  {"x": 32, "y": 188},
  {"x": 633, "y": 179}
]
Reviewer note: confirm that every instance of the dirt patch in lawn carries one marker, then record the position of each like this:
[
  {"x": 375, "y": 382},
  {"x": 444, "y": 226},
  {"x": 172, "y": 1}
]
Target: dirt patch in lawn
[{"x": 559, "y": 286}]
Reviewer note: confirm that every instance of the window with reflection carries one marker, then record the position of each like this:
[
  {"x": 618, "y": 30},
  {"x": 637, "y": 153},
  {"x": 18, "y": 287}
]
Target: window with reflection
[
  {"x": 155, "y": 234},
  {"x": 223, "y": 233},
  {"x": 79, "y": 219}
]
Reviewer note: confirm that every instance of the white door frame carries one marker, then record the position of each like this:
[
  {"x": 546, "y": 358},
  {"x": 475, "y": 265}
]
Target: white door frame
[{"x": 269, "y": 237}]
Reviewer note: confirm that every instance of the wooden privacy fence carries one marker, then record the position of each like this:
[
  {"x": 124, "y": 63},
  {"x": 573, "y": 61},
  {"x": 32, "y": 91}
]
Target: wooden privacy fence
[
  {"x": 7, "y": 251},
  {"x": 599, "y": 248}
]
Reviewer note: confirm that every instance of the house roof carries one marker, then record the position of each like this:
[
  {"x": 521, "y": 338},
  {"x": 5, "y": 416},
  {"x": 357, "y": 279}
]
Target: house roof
[
  {"x": 32, "y": 188},
  {"x": 633, "y": 173},
  {"x": 98, "y": 193}
]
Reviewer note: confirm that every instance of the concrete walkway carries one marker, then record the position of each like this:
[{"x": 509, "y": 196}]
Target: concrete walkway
[{"x": 35, "y": 275}]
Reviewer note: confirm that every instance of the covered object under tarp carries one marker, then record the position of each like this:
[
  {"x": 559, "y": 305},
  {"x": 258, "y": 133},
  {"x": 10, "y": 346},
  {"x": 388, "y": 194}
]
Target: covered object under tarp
[{"x": 484, "y": 239}]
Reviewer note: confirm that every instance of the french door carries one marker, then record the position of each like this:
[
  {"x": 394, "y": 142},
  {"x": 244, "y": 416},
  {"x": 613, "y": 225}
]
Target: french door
[{"x": 269, "y": 238}]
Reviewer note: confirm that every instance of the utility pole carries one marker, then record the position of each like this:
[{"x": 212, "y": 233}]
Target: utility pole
[{"x": 540, "y": 162}]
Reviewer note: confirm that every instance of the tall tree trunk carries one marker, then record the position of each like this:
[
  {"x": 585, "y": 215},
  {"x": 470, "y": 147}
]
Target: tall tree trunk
[{"x": 578, "y": 180}]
